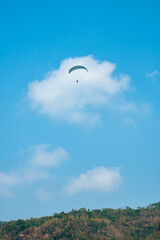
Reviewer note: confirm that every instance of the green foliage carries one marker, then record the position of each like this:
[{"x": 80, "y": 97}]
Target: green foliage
[{"x": 118, "y": 224}]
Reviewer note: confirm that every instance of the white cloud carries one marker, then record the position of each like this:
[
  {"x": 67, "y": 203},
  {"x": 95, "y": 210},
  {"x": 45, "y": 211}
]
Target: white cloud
[
  {"x": 44, "y": 157},
  {"x": 125, "y": 107},
  {"x": 153, "y": 74},
  {"x": 99, "y": 179},
  {"x": 6, "y": 192},
  {"x": 60, "y": 96},
  {"x": 31, "y": 174},
  {"x": 7, "y": 181},
  {"x": 33, "y": 169},
  {"x": 144, "y": 108},
  {"x": 129, "y": 121},
  {"x": 44, "y": 194},
  {"x": 20, "y": 176}
]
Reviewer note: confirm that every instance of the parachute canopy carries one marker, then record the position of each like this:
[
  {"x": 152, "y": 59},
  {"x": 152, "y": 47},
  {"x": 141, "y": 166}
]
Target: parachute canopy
[{"x": 77, "y": 67}]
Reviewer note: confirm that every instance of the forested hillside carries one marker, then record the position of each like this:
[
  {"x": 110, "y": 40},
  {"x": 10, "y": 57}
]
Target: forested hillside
[{"x": 111, "y": 224}]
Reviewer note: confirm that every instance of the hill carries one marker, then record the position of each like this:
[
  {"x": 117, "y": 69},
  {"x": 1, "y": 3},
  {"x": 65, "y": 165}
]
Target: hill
[{"x": 82, "y": 224}]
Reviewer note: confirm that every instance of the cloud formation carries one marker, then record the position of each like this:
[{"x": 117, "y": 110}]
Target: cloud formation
[
  {"x": 143, "y": 108},
  {"x": 153, "y": 74},
  {"x": 44, "y": 194},
  {"x": 7, "y": 180},
  {"x": 33, "y": 169},
  {"x": 60, "y": 96},
  {"x": 99, "y": 179},
  {"x": 19, "y": 177},
  {"x": 127, "y": 107},
  {"x": 45, "y": 157},
  {"x": 129, "y": 121}
]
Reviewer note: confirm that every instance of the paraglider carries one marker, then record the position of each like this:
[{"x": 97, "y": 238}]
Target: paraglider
[{"x": 77, "y": 67}]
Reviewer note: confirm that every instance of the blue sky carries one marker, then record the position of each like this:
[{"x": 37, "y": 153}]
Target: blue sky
[{"x": 94, "y": 144}]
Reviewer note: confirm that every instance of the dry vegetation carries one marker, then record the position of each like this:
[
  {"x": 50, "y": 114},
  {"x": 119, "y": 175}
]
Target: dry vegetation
[{"x": 119, "y": 224}]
